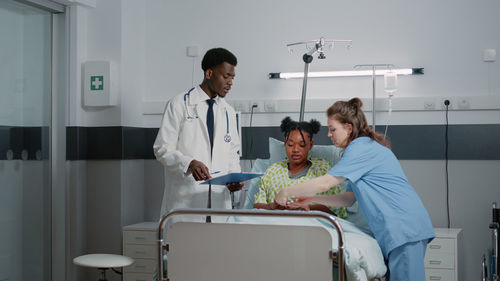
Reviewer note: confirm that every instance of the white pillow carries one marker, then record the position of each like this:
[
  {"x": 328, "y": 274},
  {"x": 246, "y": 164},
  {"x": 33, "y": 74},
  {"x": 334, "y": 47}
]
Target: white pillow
[{"x": 330, "y": 153}]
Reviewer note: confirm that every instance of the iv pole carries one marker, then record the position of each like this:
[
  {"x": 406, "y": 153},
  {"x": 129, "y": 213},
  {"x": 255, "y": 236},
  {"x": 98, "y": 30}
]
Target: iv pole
[
  {"x": 308, "y": 58},
  {"x": 374, "y": 68}
]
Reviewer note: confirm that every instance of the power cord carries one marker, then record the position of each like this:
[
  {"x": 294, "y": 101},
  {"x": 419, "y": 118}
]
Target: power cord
[
  {"x": 251, "y": 113},
  {"x": 447, "y": 104}
]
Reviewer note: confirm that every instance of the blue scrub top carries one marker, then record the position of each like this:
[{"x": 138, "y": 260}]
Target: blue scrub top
[{"x": 390, "y": 205}]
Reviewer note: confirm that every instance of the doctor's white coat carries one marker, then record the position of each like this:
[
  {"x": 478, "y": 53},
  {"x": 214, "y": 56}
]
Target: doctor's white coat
[{"x": 182, "y": 137}]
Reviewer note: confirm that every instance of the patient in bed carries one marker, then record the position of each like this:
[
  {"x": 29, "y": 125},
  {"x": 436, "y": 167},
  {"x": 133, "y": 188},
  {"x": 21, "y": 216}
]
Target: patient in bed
[{"x": 298, "y": 167}]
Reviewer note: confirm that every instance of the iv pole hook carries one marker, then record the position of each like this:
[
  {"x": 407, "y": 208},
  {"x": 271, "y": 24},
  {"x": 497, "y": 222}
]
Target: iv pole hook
[{"x": 308, "y": 58}]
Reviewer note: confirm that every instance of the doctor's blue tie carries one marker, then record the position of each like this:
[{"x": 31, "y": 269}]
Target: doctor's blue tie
[
  {"x": 210, "y": 123},
  {"x": 210, "y": 127}
]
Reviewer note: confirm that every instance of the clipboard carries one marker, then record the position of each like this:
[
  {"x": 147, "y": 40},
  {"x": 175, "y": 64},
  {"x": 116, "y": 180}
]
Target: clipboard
[{"x": 232, "y": 177}]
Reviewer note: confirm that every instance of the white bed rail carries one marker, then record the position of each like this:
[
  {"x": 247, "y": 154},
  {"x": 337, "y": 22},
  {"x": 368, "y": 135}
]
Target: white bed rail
[{"x": 339, "y": 255}]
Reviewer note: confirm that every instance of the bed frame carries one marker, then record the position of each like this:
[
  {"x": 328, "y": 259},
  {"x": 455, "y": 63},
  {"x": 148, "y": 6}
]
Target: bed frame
[{"x": 239, "y": 251}]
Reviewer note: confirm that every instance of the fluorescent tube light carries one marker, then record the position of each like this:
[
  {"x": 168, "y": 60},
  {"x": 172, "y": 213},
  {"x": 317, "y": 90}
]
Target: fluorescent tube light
[{"x": 348, "y": 73}]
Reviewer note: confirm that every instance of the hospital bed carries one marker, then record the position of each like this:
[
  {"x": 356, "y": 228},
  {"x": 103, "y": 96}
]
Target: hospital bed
[
  {"x": 254, "y": 244},
  {"x": 266, "y": 245}
]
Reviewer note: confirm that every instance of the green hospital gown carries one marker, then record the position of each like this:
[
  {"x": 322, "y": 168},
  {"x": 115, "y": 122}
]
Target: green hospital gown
[{"x": 276, "y": 177}]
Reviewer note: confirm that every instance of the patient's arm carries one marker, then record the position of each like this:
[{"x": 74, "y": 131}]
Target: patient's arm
[
  {"x": 274, "y": 206},
  {"x": 321, "y": 207},
  {"x": 268, "y": 206}
]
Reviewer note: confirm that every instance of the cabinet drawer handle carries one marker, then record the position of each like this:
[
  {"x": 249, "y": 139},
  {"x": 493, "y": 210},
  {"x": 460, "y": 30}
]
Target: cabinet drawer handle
[
  {"x": 435, "y": 277},
  {"x": 140, "y": 266},
  {"x": 435, "y": 262},
  {"x": 140, "y": 238},
  {"x": 140, "y": 252},
  {"x": 435, "y": 246}
]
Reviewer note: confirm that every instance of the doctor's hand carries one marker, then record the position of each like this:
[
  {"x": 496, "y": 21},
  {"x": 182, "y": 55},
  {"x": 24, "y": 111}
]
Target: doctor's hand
[
  {"x": 199, "y": 170},
  {"x": 235, "y": 186}
]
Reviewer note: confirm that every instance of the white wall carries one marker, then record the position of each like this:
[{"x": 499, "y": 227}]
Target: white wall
[
  {"x": 446, "y": 38},
  {"x": 436, "y": 36},
  {"x": 148, "y": 40},
  {"x": 95, "y": 34},
  {"x": 133, "y": 61},
  {"x": 113, "y": 31},
  {"x": 473, "y": 186}
]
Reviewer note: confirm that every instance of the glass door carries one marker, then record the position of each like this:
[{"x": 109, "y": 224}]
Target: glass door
[{"x": 25, "y": 118}]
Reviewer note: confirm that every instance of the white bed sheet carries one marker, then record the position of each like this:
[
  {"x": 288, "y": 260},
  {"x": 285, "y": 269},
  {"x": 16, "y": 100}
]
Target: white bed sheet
[{"x": 363, "y": 257}]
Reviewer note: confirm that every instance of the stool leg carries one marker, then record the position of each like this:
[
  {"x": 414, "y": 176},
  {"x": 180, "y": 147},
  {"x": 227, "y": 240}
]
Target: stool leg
[{"x": 102, "y": 276}]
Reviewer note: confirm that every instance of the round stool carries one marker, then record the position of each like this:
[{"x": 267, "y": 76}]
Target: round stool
[{"x": 103, "y": 262}]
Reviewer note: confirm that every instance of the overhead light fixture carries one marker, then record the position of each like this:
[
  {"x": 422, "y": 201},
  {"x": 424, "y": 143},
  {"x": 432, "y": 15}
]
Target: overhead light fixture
[{"x": 347, "y": 73}]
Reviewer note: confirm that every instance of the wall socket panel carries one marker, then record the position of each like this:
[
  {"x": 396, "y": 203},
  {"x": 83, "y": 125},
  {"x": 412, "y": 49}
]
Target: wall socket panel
[
  {"x": 443, "y": 106},
  {"x": 429, "y": 104},
  {"x": 463, "y": 103},
  {"x": 401, "y": 104},
  {"x": 241, "y": 106},
  {"x": 270, "y": 106}
]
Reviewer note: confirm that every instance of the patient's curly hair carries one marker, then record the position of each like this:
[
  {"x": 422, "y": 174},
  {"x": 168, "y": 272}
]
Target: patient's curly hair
[{"x": 288, "y": 125}]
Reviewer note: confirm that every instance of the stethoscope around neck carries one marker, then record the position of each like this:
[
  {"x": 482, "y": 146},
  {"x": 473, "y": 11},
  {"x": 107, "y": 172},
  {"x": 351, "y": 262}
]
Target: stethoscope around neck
[{"x": 194, "y": 115}]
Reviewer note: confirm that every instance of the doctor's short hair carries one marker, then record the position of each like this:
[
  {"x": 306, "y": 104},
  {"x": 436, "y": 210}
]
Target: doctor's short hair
[
  {"x": 216, "y": 56},
  {"x": 288, "y": 125}
]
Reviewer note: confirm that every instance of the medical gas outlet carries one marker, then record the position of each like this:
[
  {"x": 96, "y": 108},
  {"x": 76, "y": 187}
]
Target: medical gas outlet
[{"x": 99, "y": 85}]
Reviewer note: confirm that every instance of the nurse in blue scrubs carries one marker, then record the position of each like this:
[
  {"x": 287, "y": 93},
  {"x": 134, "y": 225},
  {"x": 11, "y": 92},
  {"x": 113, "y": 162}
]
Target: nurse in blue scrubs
[{"x": 390, "y": 205}]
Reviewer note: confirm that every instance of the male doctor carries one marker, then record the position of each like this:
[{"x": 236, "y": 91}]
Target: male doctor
[{"x": 198, "y": 137}]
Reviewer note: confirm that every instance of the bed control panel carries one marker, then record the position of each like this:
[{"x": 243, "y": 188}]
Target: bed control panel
[
  {"x": 442, "y": 255},
  {"x": 139, "y": 243}
]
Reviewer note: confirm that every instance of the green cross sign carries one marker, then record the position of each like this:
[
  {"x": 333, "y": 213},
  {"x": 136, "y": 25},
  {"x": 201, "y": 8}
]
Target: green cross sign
[{"x": 96, "y": 83}]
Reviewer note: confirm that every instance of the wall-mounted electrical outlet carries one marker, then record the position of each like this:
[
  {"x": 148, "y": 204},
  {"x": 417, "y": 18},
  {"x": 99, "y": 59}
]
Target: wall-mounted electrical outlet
[
  {"x": 269, "y": 106},
  {"x": 257, "y": 106},
  {"x": 429, "y": 104},
  {"x": 463, "y": 103},
  {"x": 240, "y": 106},
  {"x": 446, "y": 102}
]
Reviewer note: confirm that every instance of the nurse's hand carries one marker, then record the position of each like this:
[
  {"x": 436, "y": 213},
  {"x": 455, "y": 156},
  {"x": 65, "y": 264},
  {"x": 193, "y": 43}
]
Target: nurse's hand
[
  {"x": 235, "y": 186},
  {"x": 199, "y": 170},
  {"x": 281, "y": 197},
  {"x": 301, "y": 202}
]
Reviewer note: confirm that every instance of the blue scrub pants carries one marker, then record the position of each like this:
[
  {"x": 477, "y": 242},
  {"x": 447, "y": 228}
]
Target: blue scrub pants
[{"x": 406, "y": 262}]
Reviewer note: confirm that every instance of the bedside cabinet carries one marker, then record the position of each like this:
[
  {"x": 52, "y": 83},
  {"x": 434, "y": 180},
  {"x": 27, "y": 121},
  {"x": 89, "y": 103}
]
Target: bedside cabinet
[
  {"x": 442, "y": 255},
  {"x": 139, "y": 243}
]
